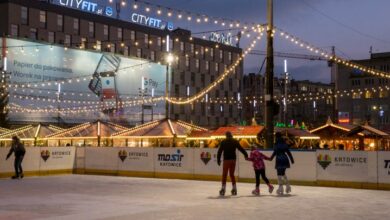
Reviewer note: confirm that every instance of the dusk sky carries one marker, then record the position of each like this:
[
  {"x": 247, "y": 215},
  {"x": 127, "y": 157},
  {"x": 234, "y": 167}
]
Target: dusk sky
[{"x": 352, "y": 26}]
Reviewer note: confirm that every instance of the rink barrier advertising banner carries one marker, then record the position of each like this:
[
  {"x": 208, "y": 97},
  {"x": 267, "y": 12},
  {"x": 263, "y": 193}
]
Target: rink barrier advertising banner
[
  {"x": 174, "y": 160},
  {"x": 205, "y": 162},
  {"x": 136, "y": 160},
  {"x": 101, "y": 160},
  {"x": 346, "y": 166},
  {"x": 383, "y": 167},
  {"x": 57, "y": 158}
]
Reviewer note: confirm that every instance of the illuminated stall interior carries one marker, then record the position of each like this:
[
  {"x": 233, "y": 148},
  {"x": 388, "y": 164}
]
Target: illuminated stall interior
[
  {"x": 201, "y": 139},
  {"x": 30, "y": 135},
  {"x": 370, "y": 138},
  {"x": 300, "y": 138},
  {"x": 95, "y": 134},
  {"x": 247, "y": 135},
  {"x": 333, "y": 136},
  {"x": 159, "y": 133}
]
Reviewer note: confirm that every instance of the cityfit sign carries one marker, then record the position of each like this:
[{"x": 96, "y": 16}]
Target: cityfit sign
[
  {"x": 88, "y": 6},
  {"x": 221, "y": 38},
  {"x": 151, "y": 22}
]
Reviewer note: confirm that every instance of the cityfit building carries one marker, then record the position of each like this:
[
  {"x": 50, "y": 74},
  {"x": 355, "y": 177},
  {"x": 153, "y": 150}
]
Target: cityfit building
[{"x": 70, "y": 58}]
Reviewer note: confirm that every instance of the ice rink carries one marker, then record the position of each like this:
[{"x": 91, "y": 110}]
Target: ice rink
[{"x": 107, "y": 197}]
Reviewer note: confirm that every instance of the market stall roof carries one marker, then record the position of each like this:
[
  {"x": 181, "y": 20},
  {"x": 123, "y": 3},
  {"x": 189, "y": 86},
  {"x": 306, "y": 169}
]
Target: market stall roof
[
  {"x": 238, "y": 131},
  {"x": 30, "y": 132},
  {"x": 200, "y": 135},
  {"x": 165, "y": 128},
  {"x": 367, "y": 131},
  {"x": 4, "y": 130},
  {"x": 332, "y": 130},
  {"x": 298, "y": 133},
  {"x": 88, "y": 130}
]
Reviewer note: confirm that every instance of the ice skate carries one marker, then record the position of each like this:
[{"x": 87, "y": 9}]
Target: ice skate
[
  {"x": 222, "y": 192},
  {"x": 256, "y": 192},
  {"x": 288, "y": 188},
  {"x": 234, "y": 191},
  {"x": 14, "y": 177},
  {"x": 280, "y": 190},
  {"x": 270, "y": 188},
  {"x": 21, "y": 176}
]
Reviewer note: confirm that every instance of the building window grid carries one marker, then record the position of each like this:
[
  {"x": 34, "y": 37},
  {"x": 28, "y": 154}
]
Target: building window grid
[
  {"x": 91, "y": 29},
  {"x": 132, "y": 35},
  {"x": 42, "y": 19},
  {"x": 50, "y": 37},
  {"x": 120, "y": 33},
  {"x": 24, "y": 15},
  {"x": 14, "y": 30},
  {"x": 76, "y": 24},
  {"x": 60, "y": 22}
]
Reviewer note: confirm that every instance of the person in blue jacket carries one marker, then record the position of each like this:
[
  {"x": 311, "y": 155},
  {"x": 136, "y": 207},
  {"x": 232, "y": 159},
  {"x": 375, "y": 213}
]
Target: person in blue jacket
[
  {"x": 18, "y": 149},
  {"x": 283, "y": 158}
]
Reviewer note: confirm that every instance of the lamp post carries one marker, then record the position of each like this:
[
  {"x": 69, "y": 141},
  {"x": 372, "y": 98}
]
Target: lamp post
[{"x": 169, "y": 59}]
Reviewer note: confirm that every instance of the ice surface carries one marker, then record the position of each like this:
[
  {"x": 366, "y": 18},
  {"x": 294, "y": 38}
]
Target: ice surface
[{"x": 107, "y": 197}]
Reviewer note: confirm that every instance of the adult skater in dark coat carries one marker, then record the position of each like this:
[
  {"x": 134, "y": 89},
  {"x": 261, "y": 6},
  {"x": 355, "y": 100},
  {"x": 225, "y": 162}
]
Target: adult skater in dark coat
[
  {"x": 283, "y": 158},
  {"x": 228, "y": 148},
  {"x": 18, "y": 149}
]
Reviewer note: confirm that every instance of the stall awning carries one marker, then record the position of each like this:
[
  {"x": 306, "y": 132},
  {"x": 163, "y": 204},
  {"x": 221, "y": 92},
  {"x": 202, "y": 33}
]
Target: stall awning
[
  {"x": 298, "y": 133},
  {"x": 165, "y": 128},
  {"x": 367, "y": 131},
  {"x": 30, "y": 132},
  {"x": 238, "y": 131}
]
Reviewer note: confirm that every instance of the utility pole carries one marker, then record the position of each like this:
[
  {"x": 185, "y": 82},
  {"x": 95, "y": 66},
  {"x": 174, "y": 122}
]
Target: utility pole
[
  {"x": 334, "y": 81},
  {"x": 285, "y": 93},
  {"x": 269, "y": 80}
]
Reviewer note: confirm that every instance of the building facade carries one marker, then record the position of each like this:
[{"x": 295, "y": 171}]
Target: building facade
[
  {"x": 312, "y": 109},
  {"x": 369, "y": 98},
  {"x": 199, "y": 62}
]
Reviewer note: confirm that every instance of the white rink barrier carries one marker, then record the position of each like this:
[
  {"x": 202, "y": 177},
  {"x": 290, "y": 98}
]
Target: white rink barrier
[
  {"x": 383, "y": 167},
  {"x": 40, "y": 160},
  {"x": 330, "y": 168}
]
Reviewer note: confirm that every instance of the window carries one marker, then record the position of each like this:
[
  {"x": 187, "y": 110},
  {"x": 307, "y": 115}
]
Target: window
[
  {"x": 170, "y": 44},
  {"x": 202, "y": 51},
  {"x": 146, "y": 39},
  {"x": 159, "y": 41},
  {"x": 207, "y": 65},
  {"x": 105, "y": 31},
  {"x": 368, "y": 95},
  {"x": 120, "y": 33},
  {"x": 60, "y": 22},
  {"x": 221, "y": 55},
  {"x": 76, "y": 25},
  {"x": 230, "y": 84},
  {"x": 212, "y": 53},
  {"x": 91, "y": 29},
  {"x": 14, "y": 30},
  {"x": 83, "y": 41},
  {"x": 132, "y": 35},
  {"x": 197, "y": 64},
  {"x": 203, "y": 79},
  {"x": 230, "y": 56},
  {"x": 33, "y": 33},
  {"x": 356, "y": 96},
  {"x": 187, "y": 63},
  {"x": 42, "y": 19},
  {"x": 139, "y": 52},
  {"x": 383, "y": 94},
  {"x": 126, "y": 51},
  {"x": 182, "y": 46},
  {"x": 24, "y": 15},
  {"x": 50, "y": 37},
  {"x": 192, "y": 47},
  {"x": 113, "y": 48},
  {"x": 217, "y": 68},
  {"x": 68, "y": 40}
]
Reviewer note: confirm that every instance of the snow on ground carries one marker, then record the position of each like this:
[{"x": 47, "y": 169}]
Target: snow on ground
[{"x": 107, "y": 197}]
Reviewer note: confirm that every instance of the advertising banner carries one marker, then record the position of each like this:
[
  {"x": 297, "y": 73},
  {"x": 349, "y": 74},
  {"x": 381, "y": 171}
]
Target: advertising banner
[
  {"x": 350, "y": 166},
  {"x": 174, "y": 160},
  {"x": 51, "y": 78},
  {"x": 384, "y": 167},
  {"x": 101, "y": 159},
  {"x": 30, "y": 160},
  {"x": 136, "y": 159},
  {"x": 57, "y": 158},
  {"x": 205, "y": 162}
]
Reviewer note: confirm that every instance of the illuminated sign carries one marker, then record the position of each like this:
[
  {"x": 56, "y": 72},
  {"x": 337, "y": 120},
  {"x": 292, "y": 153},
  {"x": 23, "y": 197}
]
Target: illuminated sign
[
  {"x": 151, "y": 22},
  {"x": 344, "y": 118},
  {"x": 88, "y": 6},
  {"x": 221, "y": 38}
]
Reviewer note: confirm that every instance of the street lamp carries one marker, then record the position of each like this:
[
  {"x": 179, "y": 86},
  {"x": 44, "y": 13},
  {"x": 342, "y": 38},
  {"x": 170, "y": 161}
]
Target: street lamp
[{"x": 169, "y": 58}]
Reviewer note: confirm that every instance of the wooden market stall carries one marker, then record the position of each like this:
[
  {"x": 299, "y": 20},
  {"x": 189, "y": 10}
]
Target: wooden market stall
[
  {"x": 370, "y": 138},
  {"x": 30, "y": 135},
  {"x": 333, "y": 136},
  {"x": 159, "y": 133},
  {"x": 201, "y": 139},
  {"x": 95, "y": 134},
  {"x": 247, "y": 135},
  {"x": 300, "y": 138}
]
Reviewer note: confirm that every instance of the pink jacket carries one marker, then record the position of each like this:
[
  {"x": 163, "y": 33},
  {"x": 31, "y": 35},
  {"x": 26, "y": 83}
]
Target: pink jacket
[{"x": 257, "y": 159}]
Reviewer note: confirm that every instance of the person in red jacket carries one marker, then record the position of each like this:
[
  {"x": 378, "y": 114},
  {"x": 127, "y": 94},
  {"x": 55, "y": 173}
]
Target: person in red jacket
[
  {"x": 228, "y": 148},
  {"x": 257, "y": 159}
]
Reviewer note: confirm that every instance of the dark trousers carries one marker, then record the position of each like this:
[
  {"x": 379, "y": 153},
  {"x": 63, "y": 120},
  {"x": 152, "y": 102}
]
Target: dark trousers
[
  {"x": 228, "y": 166},
  {"x": 281, "y": 171},
  {"x": 262, "y": 173},
  {"x": 18, "y": 165}
]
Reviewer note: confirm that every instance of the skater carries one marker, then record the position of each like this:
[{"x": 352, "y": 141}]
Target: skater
[
  {"x": 283, "y": 154},
  {"x": 257, "y": 159},
  {"x": 228, "y": 148},
  {"x": 18, "y": 149}
]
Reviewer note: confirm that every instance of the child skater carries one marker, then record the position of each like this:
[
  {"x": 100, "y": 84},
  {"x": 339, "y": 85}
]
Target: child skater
[
  {"x": 257, "y": 159},
  {"x": 283, "y": 154}
]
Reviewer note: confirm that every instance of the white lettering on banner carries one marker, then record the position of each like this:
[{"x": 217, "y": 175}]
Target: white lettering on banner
[
  {"x": 151, "y": 22},
  {"x": 80, "y": 4},
  {"x": 221, "y": 38}
]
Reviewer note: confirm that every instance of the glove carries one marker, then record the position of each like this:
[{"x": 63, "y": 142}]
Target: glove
[{"x": 219, "y": 163}]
